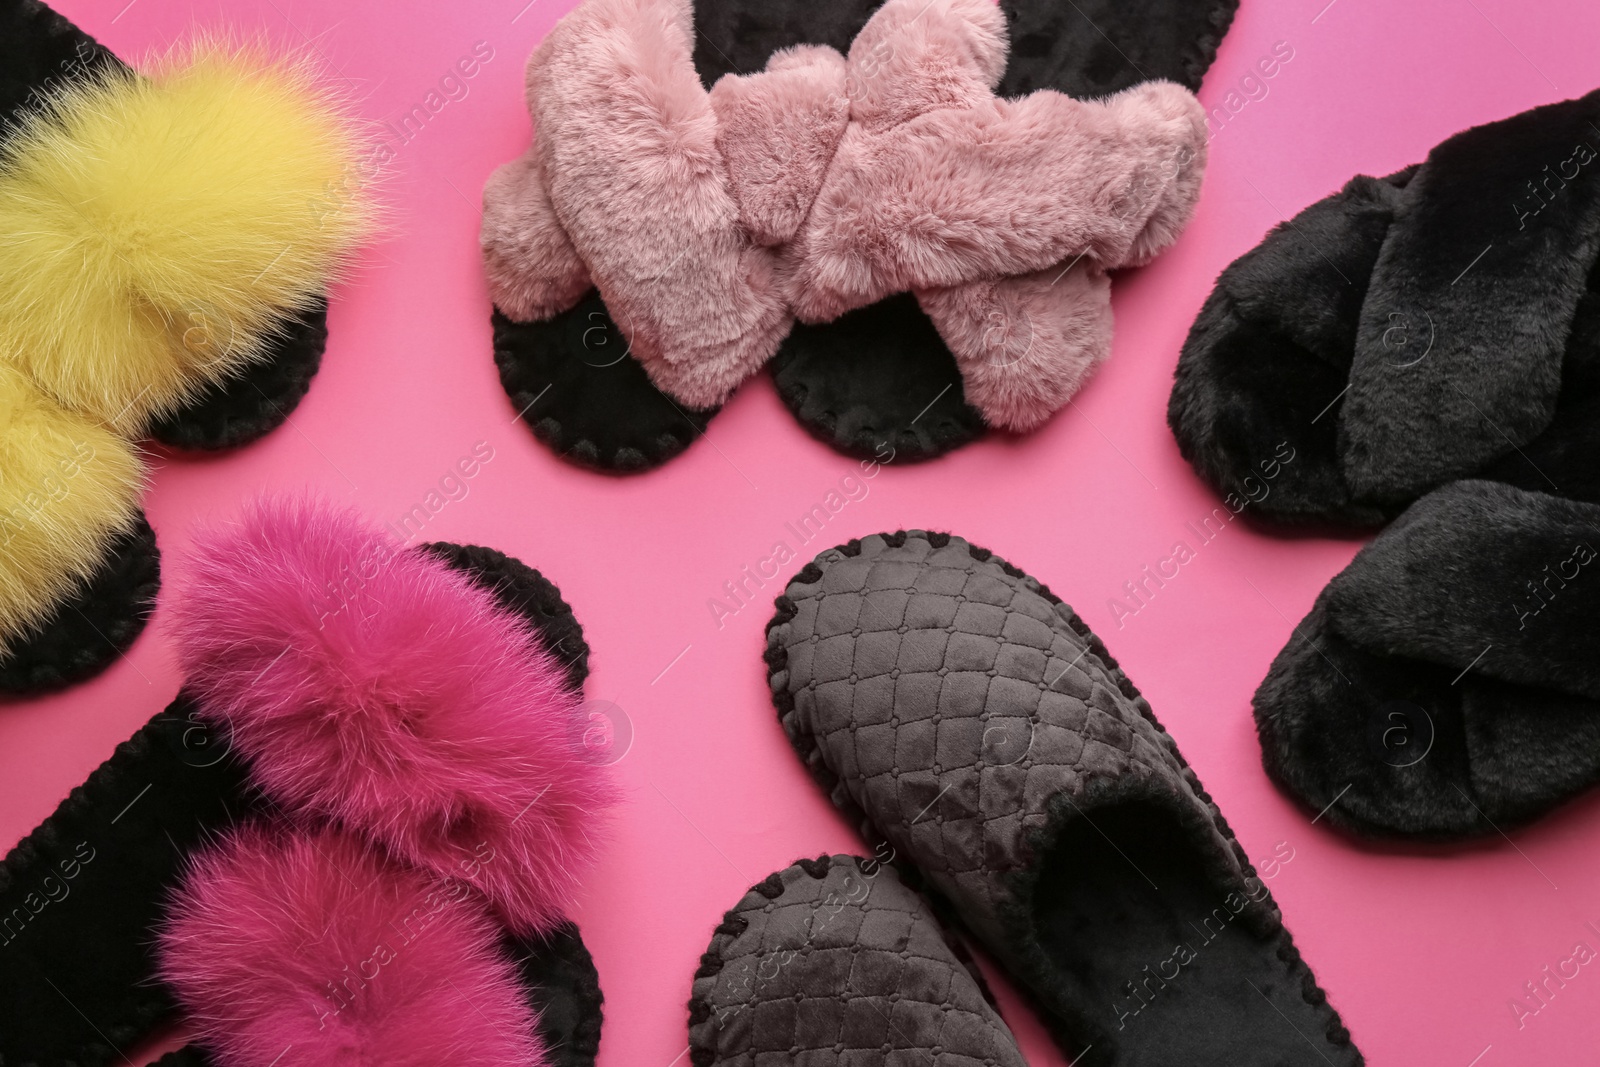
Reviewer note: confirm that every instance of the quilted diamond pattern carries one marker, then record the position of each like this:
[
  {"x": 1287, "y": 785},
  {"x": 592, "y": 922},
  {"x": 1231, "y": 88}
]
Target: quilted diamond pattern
[
  {"x": 949, "y": 700},
  {"x": 835, "y": 961}
]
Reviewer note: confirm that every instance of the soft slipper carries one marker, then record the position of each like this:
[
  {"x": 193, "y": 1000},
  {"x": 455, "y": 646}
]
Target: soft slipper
[
  {"x": 1444, "y": 684},
  {"x": 347, "y": 956},
  {"x": 1401, "y": 334},
  {"x": 167, "y": 238},
  {"x": 78, "y": 563},
  {"x": 968, "y": 717},
  {"x": 334, "y": 675},
  {"x": 835, "y": 960},
  {"x": 727, "y": 213},
  {"x": 165, "y": 246}
]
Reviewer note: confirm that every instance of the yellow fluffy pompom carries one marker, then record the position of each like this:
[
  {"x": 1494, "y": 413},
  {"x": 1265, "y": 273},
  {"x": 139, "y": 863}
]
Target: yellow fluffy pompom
[
  {"x": 155, "y": 230},
  {"x": 67, "y": 488}
]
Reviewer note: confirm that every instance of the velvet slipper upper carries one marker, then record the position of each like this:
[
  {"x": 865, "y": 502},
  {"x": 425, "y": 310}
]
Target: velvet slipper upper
[
  {"x": 816, "y": 187},
  {"x": 968, "y": 718},
  {"x": 836, "y": 961},
  {"x": 1440, "y": 323},
  {"x": 375, "y": 740},
  {"x": 1444, "y": 684}
]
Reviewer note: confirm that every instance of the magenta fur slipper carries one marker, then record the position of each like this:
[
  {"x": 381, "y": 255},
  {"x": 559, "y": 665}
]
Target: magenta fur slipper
[
  {"x": 316, "y": 946},
  {"x": 373, "y": 799},
  {"x": 357, "y": 705},
  {"x": 709, "y": 223}
]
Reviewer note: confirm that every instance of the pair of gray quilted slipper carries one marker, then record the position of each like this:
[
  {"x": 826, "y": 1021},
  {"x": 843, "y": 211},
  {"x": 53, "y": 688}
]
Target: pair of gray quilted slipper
[{"x": 975, "y": 726}]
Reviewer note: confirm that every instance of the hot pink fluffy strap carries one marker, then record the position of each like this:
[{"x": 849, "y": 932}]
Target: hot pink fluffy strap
[
  {"x": 374, "y": 686},
  {"x": 312, "y": 948},
  {"x": 709, "y": 221}
]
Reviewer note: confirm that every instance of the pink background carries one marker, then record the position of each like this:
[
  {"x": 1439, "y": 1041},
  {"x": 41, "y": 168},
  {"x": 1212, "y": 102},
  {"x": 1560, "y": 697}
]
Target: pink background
[{"x": 1421, "y": 953}]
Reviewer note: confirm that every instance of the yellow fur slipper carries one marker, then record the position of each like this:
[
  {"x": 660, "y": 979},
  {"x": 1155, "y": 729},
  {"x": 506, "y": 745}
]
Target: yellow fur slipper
[
  {"x": 69, "y": 490},
  {"x": 159, "y": 233}
]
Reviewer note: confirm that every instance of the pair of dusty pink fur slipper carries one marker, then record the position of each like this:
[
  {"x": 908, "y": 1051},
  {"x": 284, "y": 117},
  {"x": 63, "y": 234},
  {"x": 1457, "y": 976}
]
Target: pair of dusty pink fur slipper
[{"x": 711, "y": 221}]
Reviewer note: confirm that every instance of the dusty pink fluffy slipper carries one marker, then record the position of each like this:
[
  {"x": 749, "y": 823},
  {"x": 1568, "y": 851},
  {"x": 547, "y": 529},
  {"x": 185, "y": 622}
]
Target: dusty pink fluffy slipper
[
  {"x": 711, "y": 221},
  {"x": 315, "y": 950},
  {"x": 376, "y": 687}
]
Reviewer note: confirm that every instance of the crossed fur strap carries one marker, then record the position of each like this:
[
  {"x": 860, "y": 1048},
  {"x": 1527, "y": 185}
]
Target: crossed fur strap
[
  {"x": 710, "y": 221},
  {"x": 1460, "y": 343},
  {"x": 1483, "y": 576}
]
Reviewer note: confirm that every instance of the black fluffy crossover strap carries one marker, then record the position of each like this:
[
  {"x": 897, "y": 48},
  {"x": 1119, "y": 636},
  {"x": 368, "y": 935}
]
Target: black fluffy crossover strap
[
  {"x": 1480, "y": 276},
  {"x": 1483, "y": 576}
]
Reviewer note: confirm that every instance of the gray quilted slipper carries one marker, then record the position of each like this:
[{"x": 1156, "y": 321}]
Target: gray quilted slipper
[
  {"x": 972, "y": 721},
  {"x": 835, "y": 961}
]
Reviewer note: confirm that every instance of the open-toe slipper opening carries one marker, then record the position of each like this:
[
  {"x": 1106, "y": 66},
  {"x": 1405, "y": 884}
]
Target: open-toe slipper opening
[
  {"x": 1424, "y": 700},
  {"x": 1262, "y": 375},
  {"x": 968, "y": 718}
]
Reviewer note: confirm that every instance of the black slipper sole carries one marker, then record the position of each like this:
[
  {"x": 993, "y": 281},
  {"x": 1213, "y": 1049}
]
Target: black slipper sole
[
  {"x": 571, "y": 380},
  {"x": 81, "y": 989},
  {"x": 253, "y": 403},
  {"x": 92, "y": 627}
]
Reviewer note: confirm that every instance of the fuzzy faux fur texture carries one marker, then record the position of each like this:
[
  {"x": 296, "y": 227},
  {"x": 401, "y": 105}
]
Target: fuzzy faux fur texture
[
  {"x": 1483, "y": 575},
  {"x": 825, "y": 183},
  {"x": 1444, "y": 684},
  {"x": 381, "y": 688},
  {"x": 155, "y": 231},
  {"x": 1439, "y": 323},
  {"x": 68, "y": 488},
  {"x": 316, "y": 947}
]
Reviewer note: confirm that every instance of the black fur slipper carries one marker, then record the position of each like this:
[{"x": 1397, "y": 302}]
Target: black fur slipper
[
  {"x": 972, "y": 721},
  {"x": 765, "y": 215},
  {"x": 207, "y": 359},
  {"x": 1444, "y": 685},
  {"x": 92, "y": 960},
  {"x": 1440, "y": 323},
  {"x": 836, "y": 960}
]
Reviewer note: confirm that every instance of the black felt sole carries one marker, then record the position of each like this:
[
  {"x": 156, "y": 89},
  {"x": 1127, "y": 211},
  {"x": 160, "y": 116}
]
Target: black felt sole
[
  {"x": 877, "y": 378},
  {"x": 92, "y": 627},
  {"x": 253, "y": 403},
  {"x": 570, "y": 378}
]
